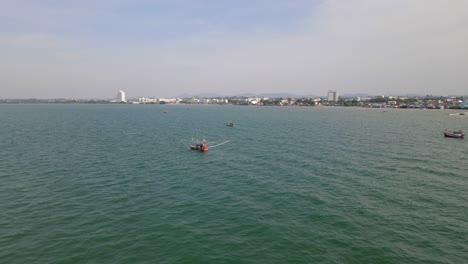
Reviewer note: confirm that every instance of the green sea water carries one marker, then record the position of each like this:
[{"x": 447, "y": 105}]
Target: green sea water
[{"x": 119, "y": 184}]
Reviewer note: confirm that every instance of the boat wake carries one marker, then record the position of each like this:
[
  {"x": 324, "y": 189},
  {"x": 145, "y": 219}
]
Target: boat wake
[{"x": 217, "y": 145}]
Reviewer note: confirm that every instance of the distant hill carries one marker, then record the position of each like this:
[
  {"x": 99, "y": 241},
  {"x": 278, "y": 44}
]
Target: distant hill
[
  {"x": 269, "y": 95},
  {"x": 356, "y": 95},
  {"x": 207, "y": 95},
  {"x": 285, "y": 95}
]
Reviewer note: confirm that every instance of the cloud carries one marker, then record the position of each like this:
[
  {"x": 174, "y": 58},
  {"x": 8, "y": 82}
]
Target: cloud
[
  {"x": 379, "y": 47},
  {"x": 28, "y": 41}
]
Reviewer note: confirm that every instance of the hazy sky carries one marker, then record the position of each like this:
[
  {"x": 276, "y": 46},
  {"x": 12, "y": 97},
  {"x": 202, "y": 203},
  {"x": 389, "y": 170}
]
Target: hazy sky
[{"x": 93, "y": 48}]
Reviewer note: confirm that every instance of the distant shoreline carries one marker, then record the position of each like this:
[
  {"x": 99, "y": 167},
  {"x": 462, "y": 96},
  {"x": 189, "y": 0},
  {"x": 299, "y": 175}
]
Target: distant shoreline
[{"x": 240, "y": 105}]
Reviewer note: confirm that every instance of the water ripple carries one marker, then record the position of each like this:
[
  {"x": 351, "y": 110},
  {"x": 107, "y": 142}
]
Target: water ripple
[{"x": 118, "y": 184}]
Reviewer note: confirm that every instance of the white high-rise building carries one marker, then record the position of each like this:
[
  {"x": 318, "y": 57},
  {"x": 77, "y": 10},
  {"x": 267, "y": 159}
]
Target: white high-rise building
[
  {"x": 121, "y": 96},
  {"x": 332, "y": 96}
]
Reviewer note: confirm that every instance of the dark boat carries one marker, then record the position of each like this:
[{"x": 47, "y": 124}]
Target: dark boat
[
  {"x": 454, "y": 134},
  {"x": 230, "y": 123}
]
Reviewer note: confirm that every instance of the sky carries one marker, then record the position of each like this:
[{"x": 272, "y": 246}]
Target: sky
[{"x": 166, "y": 48}]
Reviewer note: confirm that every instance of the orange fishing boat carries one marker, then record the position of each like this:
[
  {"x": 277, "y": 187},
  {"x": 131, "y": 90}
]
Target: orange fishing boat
[{"x": 201, "y": 146}]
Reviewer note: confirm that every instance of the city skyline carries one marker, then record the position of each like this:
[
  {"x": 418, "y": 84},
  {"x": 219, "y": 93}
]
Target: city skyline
[{"x": 88, "y": 49}]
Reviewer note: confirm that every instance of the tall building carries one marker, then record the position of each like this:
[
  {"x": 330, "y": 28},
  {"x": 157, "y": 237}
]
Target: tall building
[
  {"x": 332, "y": 96},
  {"x": 121, "y": 96}
]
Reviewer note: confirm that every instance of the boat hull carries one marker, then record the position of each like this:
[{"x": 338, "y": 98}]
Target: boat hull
[
  {"x": 451, "y": 135},
  {"x": 200, "y": 148}
]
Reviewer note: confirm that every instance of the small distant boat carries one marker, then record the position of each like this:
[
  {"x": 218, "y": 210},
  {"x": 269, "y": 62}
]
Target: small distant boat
[
  {"x": 231, "y": 124},
  {"x": 166, "y": 111},
  {"x": 454, "y": 134},
  {"x": 201, "y": 146}
]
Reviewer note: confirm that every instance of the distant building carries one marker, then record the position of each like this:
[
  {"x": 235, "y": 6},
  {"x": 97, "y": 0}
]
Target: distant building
[
  {"x": 121, "y": 96},
  {"x": 168, "y": 100},
  {"x": 146, "y": 100},
  {"x": 332, "y": 96}
]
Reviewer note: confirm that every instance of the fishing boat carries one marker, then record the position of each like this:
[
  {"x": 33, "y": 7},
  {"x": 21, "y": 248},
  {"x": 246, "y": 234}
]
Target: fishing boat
[
  {"x": 231, "y": 124},
  {"x": 454, "y": 134},
  {"x": 201, "y": 146}
]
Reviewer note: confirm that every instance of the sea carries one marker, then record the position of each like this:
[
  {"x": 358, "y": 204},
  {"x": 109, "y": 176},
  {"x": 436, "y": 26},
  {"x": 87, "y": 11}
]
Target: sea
[{"x": 119, "y": 184}]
